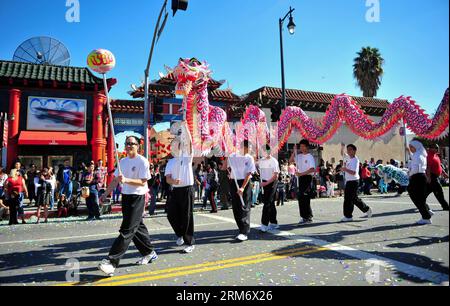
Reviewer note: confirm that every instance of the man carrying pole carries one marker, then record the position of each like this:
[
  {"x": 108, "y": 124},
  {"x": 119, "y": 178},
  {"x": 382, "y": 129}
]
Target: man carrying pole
[
  {"x": 242, "y": 167},
  {"x": 179, "y": 174},
  {"x": 134, "y": 176},
  {"x": 270, "y": 169},
  {"x": 306, "y": 167}
]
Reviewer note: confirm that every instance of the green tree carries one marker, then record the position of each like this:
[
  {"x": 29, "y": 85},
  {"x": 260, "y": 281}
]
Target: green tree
[{"x": 368, "y": 71}]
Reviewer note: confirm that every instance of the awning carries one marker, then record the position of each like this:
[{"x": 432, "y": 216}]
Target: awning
[{"x": 29, "y": 138}]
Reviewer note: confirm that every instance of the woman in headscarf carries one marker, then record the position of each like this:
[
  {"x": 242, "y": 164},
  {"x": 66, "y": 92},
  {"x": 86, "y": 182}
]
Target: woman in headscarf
[{"x": 417, "y": 188}]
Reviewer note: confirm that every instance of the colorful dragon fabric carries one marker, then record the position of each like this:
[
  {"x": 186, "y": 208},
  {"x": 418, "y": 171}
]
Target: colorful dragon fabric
[
  {"x": 210, "y": 130},
  {"x": 390, "y": 172}
]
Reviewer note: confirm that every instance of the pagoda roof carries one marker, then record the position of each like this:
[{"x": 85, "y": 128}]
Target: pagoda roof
[
  {"x": 170, "y": 80},
  {"x": 25, "y": 72}
]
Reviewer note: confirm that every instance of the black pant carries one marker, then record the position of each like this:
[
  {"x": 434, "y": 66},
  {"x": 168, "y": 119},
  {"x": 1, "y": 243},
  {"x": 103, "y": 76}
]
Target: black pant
[
  {"x": 304, "y": 197},
  {"x": 436, "y": 188},
  {"x": 351, "y": 199},
  {"x": 13, "y": 208},
  {"x": 269, "y": 213},
  {"x": 241, "y": 213},
  {"x": 401, "y": 189},
  {"x": 367, "y": 185},
  {"x": 417, "y": 190},
  {"x": 180, "y": 212},
  {"x": 210, "y": 195},
  {"x": 132, "y": 229},
  {"x": 92, "y": 203}
]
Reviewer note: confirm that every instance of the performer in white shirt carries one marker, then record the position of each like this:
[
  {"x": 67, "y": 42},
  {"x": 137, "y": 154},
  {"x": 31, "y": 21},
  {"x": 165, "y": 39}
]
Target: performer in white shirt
[
  {"x": 351, "y": 169},
  {"x": 306, "y": 166},
  {"x": 180, "y": 175},
  {"x": 135, "y": 172},
  {"x": 417, "y": 188},
  {"x": 270, "y": 169},
  {"x": 243, "y": 166}
]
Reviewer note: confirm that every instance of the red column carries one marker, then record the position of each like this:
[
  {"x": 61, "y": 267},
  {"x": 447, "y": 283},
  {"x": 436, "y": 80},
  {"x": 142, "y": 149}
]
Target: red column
[
  {"x": 13, "y": 131},
  {"x": 98, "y": 140},
  {"x": 110, "y": 155}
]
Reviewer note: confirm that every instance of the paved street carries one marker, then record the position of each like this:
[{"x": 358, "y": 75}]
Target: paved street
[{"x": 387, "y": 250}]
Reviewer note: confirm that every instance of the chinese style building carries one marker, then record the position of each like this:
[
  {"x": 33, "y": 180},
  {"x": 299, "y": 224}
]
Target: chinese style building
[{"x": 53, "y": 113}]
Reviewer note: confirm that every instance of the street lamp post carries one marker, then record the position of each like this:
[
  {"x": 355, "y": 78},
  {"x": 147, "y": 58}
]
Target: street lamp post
[
  {"x": 291, "y": 27},
  {"x": 158, "y": 32},
  {"x": 159, "y": 28}
]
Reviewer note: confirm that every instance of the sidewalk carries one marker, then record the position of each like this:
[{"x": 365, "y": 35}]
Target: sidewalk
[{"x": 31, "y": 211}]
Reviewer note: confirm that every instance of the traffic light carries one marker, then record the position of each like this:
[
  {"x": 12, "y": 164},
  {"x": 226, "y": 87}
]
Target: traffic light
[
  {"x": 179, "y": 5},
  {"x": 276, "y": 112},
  {"x": 158, "y": 110}
]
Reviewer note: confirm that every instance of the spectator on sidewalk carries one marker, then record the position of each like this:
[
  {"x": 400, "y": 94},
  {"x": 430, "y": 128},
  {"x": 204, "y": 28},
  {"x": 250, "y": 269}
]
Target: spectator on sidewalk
[
  {"x": 212, "y": 184},
  {"x": 64, "y": 178},
  {"x": 15, "y": 191},
  {"x": 44, "y": 191},
  {"x": 339, "y": 177},
  {"x": 154, "y": 184},
  {"x": 63, "y": 207},
  {"x": 366, "y": 176},
  {"x": 20, "y": 169},
  {"x": 4, "y": 210},
  {"x": 92, "y": 202},
  {"x": 281, "y": 187},
  {"x": 116, "y": 194},
  {"x": 31, "y": 174},
  {"x": 101, "y": 173},
  {"x": 54, "y": 184},
  {"x": 3, "y": 178},
  {"x": 224, "y": 186}
]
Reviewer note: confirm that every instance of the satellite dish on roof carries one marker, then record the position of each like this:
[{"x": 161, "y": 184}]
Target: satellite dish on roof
[{"x": 42, "y": 50}]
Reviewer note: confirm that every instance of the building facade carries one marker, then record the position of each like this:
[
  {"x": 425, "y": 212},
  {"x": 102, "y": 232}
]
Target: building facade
[{"x": 52, "y": 113}]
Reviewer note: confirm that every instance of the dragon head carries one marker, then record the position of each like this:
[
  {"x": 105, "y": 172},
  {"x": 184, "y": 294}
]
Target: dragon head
[{"x": 189, "y": 74}]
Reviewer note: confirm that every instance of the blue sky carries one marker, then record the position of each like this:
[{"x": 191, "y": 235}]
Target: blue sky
[{"x": 239, "y": 38}]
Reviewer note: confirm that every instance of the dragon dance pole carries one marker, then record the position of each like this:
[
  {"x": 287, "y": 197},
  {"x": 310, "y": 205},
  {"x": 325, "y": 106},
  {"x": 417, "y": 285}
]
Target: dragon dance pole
[
  {"x": 103, "y": 61},
  {"x": 406, "y": 142},
  {"x": 296, "y": 154},
  {"x": 111, "y": 122},
  {"x": 257, "y": 159}
]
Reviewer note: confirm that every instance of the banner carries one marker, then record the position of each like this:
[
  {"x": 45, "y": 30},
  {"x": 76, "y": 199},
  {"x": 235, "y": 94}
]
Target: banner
[{"x": 56, "y": 114}]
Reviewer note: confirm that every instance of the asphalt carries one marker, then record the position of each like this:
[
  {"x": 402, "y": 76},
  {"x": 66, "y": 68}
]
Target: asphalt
[{"x": 386, "y": 250}]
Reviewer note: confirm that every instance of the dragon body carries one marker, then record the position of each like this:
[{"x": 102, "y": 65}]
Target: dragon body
[{"x": 210, "y": 130}]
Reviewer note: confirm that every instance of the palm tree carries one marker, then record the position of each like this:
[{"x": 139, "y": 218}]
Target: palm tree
[{"x": 368, "y": 70}]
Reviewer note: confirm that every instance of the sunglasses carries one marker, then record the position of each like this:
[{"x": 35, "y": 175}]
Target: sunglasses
[{"x": 130, "y": 144}]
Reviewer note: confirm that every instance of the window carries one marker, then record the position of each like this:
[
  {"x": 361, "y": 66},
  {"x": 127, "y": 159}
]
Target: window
[
  {"x": 175, "y": 109},
  {"x": 166, "y": 109}
]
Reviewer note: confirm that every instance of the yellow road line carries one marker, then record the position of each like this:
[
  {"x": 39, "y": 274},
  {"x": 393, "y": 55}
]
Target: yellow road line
[
  {"x": 208, "y": 269},
  {"x": 197, "y": 268}
]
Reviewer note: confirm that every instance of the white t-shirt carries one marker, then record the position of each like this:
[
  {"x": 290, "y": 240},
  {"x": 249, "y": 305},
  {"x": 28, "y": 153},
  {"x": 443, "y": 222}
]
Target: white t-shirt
[
  {"x": 268, "y": 167},
  {"x": 242, "y": 165},
  {"x": 180, "y": 168},
  {"x": 352, "y": 164},
  {"x": 418, "y": 164},
  {"x": 134, "y": 168},
  {"x": 305, "y": 162}
]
